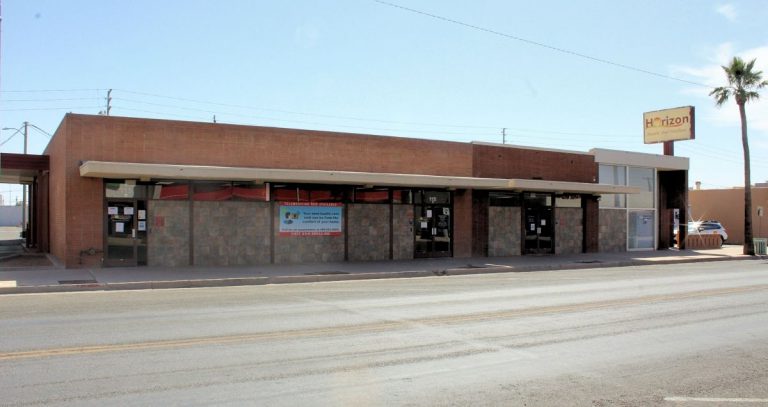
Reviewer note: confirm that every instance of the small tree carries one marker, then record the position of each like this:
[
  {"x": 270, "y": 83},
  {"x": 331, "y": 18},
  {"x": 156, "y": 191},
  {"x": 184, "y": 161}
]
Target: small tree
[{"x": 743, "y": 84}]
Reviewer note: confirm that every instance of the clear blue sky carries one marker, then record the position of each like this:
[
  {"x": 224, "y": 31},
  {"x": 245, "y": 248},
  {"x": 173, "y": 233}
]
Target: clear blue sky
[{"x": 361, "y": 66}]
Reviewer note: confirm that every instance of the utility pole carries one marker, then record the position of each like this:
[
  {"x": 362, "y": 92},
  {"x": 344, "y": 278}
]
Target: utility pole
[
  {"x": 504, "y": 136},
  {"x": 109, "y": 101},
  {"x": 26, "y": 133},
  {"x": 24, "y": 190}
]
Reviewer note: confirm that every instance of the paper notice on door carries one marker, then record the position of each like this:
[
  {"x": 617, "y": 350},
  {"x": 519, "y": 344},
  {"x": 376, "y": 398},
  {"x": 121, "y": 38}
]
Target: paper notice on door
[
  {"x": 538, "y": 231},
  {"x": 112, "y": 210},
  {"x": 128, "y": 210},
  {"x": 434, "y": 231},
  {"x": 119, "y": 227},
  {"x": 423, "y": 225},
  {"x": 142, "y": 214},
  {"x": 533, "y": 227},
  {"x": 429, "y": 213},
  {"x": 446, "y": 211},
  {"x": 543, "y": 222},
  {"x": 142, "y": 225}
]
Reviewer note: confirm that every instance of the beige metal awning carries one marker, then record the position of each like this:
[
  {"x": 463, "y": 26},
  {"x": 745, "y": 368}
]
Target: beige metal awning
[{"x": 146, "y": 172}]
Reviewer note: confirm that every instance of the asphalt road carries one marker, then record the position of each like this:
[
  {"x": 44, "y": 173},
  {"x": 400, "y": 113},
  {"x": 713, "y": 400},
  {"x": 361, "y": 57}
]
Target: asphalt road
[{"x": 680, "y": 335}]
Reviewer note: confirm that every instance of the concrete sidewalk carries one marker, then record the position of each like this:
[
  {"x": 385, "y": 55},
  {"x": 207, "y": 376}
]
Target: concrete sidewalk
[{"x": 55, "y": 279}]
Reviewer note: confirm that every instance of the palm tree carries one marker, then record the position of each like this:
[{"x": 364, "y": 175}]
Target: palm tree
[{"x": 743, "y": 84}]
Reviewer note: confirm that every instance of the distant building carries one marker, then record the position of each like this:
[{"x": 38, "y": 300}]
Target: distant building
[
  {"x": 727, "y": 206},
  {"x": 10, "y": 215}
]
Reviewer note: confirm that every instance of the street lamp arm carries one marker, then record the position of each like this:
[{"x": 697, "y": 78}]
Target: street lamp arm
[
  {"x": 44, "y": 132},
  {"x": 11, "y": 136}
]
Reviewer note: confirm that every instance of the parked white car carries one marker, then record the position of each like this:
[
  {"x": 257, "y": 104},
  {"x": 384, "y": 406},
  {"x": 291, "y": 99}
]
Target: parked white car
[{"x": 708, "y": 227}]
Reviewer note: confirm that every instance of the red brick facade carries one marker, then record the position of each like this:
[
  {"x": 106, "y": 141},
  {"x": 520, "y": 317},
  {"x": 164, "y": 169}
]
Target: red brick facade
[
  {"x": 76, "y": 203},
  {"x": 514, "y": 162}
]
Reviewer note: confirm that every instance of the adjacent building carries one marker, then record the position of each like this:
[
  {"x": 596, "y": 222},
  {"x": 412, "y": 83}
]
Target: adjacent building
[{"x": 727, "y": 207}]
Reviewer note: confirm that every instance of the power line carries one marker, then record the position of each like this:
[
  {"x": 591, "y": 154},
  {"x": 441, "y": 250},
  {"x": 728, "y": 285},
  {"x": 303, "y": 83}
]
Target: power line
[
  {"x": 238, "y": 106},
  {"x": 301, "y": 113},
  {"x": 48, "y": 108},
  {"x": 721, "y": 158},
  {"x": 49, "y": 100},
  {"x": 50, "y": 90},
  {"x": 522, "y": 133},
  {"x": 723, "y": 151},
  {"x": 540, "y": 44},
  {"x": 219, "y": 113},
  {"x": 10, "y": 137},
  {"x": 40, "y": 130},
  {"x": 468, "y": 135}
]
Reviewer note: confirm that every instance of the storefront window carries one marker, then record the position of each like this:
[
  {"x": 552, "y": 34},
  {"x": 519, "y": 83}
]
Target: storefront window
[
  {"x": 310, "y": 193},
  {"x": 225, "y": 191},
  {"x": 169, "y": 190},
  {"x": 212, "y": 191},
  {"x": 432, "y": 197},
  {"x": 124, "y": 189},
  {"x": 613, "y": 175},
  {"x": 402, "y": 196},
  {"x": 329, "y": 194},
  {"x": 568, "y": 201},
  {"x": 538, "y": 198},
  {"x": 249, "y": 191},
  {"x": 504, "y": 199},
  {"x": 371, "y": 195},
  {"x": 641, "y": 229},
  {"x": 289, "y": 193},
  {"x": 643, "y": 178}
]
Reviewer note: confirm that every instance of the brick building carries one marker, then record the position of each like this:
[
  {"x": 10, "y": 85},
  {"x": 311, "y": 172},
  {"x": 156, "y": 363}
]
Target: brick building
[{"x": 126, "y": 191}]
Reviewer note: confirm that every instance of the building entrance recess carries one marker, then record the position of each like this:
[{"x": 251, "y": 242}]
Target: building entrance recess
[
  {"x": 538, "y": 227},
  {"x": 432, "y": 218},
  {"x": 126, "y": 232}
]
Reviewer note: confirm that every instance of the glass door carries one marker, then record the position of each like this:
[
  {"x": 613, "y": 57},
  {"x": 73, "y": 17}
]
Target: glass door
[
  {"x": 432, "y": 212},
  {"x": 538, "y": 225},
  {"x": 126, "y": 233}
]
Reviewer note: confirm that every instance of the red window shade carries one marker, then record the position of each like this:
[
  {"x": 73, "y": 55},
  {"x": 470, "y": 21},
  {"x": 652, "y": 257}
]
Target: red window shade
[{"x": 171, "y": 192}]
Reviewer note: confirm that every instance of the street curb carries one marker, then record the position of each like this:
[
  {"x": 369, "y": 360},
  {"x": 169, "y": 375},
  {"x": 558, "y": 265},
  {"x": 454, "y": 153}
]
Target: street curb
[{"x": 316, "y": 278}]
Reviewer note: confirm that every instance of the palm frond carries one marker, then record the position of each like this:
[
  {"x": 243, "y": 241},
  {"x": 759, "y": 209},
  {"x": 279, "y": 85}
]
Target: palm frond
[
  {"x": 743, "y": 82},
  {"x": 751, "y": 95},
  {"x": 721, "y": 94}
]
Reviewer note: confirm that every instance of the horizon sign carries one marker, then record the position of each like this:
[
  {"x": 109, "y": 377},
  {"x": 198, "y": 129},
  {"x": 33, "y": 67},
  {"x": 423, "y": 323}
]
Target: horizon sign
[{"x": 669, "y": 125}]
